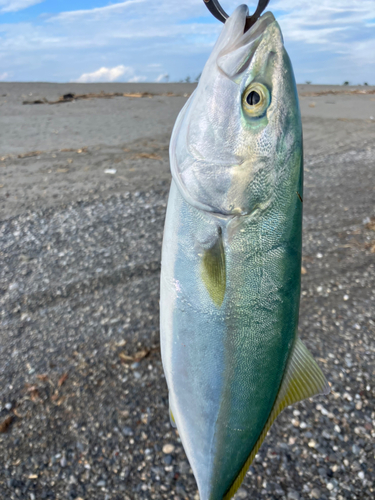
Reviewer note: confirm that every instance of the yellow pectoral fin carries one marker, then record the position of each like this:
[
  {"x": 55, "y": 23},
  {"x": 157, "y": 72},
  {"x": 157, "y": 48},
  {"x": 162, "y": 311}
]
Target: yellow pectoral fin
[
  {"x": 303, "y": 379},
  {"x": 214, "y": 272}
]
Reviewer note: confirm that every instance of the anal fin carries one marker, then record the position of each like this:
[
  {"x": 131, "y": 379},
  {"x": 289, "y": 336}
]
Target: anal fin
[{"x": 303, "y": 379}]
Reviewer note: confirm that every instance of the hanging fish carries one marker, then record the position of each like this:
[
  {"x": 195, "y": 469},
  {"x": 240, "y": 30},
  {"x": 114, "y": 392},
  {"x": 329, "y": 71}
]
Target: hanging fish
[{"x": 231, "y": 258}]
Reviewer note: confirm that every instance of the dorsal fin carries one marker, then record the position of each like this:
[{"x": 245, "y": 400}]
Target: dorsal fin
[{"x": 303, "y": 379}]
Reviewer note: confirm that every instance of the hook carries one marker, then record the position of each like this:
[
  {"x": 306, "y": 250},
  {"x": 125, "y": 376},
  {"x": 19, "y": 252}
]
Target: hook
[{"x": 216, "y": 10}]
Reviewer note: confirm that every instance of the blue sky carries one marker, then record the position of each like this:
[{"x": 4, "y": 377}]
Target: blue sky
[{"x": 329, "y": 41}]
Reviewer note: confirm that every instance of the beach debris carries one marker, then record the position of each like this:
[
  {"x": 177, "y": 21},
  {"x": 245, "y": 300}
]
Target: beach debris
[
  {"x": 32, "y": 389},
  {"x": 338, "y": 92},
  {"x": 29, "y": 154},
  {"x": 110, "y": 171},
  {"x": 138, "y": 356},
  {"x": 5, "y": 424},
  {"x": 37, "y": 101},
  {"x": 125, "y": 357},
  {"x": 62, "y": 379},
  {"x": 150, "y": 156},
  {"x": 101, "y": 95},
  {"x": 371, "y": 224}
]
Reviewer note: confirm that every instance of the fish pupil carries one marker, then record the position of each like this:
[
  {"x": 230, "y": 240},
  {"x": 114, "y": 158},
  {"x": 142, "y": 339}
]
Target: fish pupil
[{"x": 253, "y": 98}]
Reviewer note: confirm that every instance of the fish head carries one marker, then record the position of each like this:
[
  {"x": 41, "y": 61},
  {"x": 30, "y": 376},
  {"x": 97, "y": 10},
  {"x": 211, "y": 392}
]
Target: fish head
[{"x": 239, "y": 135}]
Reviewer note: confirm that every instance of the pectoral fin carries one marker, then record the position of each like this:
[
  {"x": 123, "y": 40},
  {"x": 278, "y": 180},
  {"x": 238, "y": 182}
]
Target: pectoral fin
[
  {"x": 213, "y": 271},
  {"x": 303, "y": 379}
]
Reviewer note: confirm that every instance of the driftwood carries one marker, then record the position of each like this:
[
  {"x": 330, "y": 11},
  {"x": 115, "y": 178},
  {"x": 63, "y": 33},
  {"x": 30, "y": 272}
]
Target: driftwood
[
  {"x": 102, "y": 95},
  {"x": 338, "y": 92}
]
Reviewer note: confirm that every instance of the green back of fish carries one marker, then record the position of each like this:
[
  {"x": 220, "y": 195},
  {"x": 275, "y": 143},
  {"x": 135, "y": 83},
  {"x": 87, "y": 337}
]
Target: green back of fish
[{"x": 263, "y": 263}]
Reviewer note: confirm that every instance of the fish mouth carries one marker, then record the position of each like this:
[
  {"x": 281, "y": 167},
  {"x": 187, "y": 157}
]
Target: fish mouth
[
  {"x": 236, "y": 55},
  {"x": 239, "y": 18}
]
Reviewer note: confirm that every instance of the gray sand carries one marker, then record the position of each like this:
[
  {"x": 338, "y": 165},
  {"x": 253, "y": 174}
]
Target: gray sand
[
  {"x": 83, "y": 402},
  {"x": 54, "y": 171}
]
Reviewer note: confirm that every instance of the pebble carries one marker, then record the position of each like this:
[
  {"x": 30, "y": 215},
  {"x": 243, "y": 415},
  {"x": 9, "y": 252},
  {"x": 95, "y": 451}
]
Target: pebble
[
  {"x": 315, "y": 493},
  {"x": 293, "y": 495},
  {"x": 127, "y": 431},
  {"x": 242, "y": 493},
  {"x": 168, "y": 449}
]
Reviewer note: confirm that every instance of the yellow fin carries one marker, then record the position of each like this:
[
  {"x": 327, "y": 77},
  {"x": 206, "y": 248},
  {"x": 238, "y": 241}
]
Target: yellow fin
[
  {"x": 303, "y": 379},
  {"x": 213, "y": 271},
  {"x": 171, "y": 418}
]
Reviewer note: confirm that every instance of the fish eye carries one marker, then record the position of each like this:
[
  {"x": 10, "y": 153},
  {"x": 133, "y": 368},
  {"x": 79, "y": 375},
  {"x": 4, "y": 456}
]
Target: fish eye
[{"x": 255, "y": 100}]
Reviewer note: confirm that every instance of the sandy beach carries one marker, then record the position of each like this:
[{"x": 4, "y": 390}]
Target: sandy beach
[
  {"x": 83, "y": 402},
  {"x": 59, "y": 152}
]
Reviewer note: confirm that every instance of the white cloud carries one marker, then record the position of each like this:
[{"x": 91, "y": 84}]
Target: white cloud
[
  {"x": 136, "y": 79},
  {"x": 320, "y": 23},
  {"x": 164, "y": 77},
  {"x": 111, "y": 75},
  {"x": 335, "y": 35},
  {"x": 104, "y": 74},
  {"x": 4, "y": 76},
  {"x": 16, "y": 5},
  {"x": 95, "y": 12}
]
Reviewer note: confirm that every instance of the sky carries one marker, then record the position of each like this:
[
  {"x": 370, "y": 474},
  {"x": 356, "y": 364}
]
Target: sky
[{"x": 329, "y": 42}]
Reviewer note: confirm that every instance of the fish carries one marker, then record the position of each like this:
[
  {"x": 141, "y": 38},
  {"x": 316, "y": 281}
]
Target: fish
[{"x": 231, "y": 257}]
